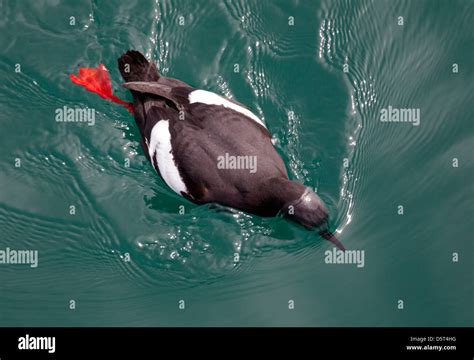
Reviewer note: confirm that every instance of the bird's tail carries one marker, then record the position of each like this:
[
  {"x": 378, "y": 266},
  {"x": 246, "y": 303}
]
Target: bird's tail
[{"x": 135, "y": 67}]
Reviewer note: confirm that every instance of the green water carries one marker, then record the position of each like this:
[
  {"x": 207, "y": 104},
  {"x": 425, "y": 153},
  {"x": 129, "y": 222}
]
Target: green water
[{"x": 293, "y": 77}]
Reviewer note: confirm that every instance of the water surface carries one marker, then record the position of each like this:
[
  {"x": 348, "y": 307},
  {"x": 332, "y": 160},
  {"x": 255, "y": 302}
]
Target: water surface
[{"x": 286, "y": 61}]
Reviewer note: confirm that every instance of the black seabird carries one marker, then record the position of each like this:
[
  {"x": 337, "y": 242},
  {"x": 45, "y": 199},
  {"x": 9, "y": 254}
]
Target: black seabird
[{"x": 210, "y": 149}]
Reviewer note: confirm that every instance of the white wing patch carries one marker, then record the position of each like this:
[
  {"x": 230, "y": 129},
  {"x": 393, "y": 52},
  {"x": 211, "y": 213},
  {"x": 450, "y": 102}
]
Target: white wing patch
[
  {"x": 160, "y": 147},
  {"x": 210, "y": 98}
]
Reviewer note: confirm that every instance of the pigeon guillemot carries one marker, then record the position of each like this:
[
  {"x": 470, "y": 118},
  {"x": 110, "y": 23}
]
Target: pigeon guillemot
[{"x": 210, "y": 149}]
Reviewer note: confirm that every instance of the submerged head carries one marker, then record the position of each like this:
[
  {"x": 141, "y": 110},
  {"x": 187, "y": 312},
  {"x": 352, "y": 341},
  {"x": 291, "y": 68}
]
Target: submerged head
[{"x": 310, "y": 211}]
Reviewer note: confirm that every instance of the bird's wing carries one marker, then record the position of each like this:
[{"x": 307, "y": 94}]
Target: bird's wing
[{"x": 176, "y": 95}]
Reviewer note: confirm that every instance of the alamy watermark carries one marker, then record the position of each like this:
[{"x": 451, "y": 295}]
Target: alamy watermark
[
  {"x": 75, "y": 114},
  {"x": 392, "y": 114},
  {"x": 336, "y": 256},
  {"x": 28, "y": 342},
  {"x": 237, "y": 162},
  {"x": 19, "y": 257}
]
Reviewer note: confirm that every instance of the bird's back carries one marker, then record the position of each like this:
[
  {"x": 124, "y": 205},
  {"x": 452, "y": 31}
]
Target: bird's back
[{"x": 222, "y": 152}]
